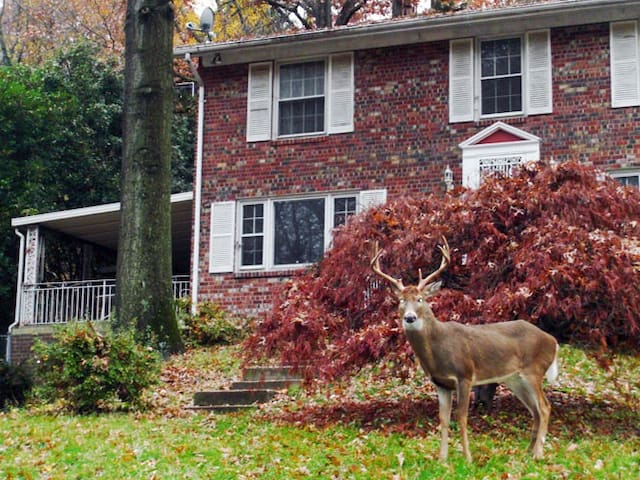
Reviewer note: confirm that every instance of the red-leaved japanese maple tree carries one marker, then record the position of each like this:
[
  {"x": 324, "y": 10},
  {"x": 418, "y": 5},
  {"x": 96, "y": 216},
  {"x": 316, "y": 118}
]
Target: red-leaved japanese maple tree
[{"x": 558, "y": 246}]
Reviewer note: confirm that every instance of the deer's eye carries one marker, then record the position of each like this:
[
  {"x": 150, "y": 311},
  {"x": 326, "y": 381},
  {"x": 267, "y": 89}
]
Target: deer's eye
[{"x": 419, "y": 299}]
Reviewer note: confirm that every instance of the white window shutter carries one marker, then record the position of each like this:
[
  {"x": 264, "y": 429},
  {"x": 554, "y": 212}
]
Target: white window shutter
[
  {"x": 372, "y": 198},
  {"x": 259, "y": 101},
  {"x": 221, "y": 246},
  {"x": 461, "y": 80},
  {"x": 538, "y": 73},
  {"x": 341, "y": 88},
  {"x": 625, "y": 82}
]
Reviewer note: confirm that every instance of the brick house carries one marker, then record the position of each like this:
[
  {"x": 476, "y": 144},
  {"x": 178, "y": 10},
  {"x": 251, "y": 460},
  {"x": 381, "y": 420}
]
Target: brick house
[{"x": 299, "y": 131}]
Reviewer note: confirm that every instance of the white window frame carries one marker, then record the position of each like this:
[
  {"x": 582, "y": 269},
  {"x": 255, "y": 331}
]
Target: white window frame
[
  {"x": 268, "y": 255},
  {"x": 276, "y": 100},
  {"x": 625, "y": 173},
  {"x": 333, "y": 206},
  {"x": 364, "y": 199},
  {"x": 478, "y": 77},
  {"x": 241, "y": 235}
]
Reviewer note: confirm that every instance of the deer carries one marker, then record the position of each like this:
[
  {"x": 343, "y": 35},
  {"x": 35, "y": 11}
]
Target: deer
[{"x": 458, "y": 357}]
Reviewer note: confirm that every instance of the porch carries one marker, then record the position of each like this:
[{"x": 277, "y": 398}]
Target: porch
[{"x": 67, "y": 266}]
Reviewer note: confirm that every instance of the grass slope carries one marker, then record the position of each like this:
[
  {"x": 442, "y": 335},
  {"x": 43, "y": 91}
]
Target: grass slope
[{"x": 370, "y": 428}]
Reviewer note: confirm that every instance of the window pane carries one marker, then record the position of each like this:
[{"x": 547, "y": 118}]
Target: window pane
[
  {"x": 299, "y": 231},
  {"x": 343, "y": 208},
  {"x": 252, "y": 218},
  {"x": 489, "y": 97},
  {"x": 631, "y": 180},
  {"x": 502, "y": 65},
  {"x": 252, "y": 235},
  {"x": 301, "y": 116},
  {"x": 302, "y": 80},
  {"x": 252, "y": 251}
]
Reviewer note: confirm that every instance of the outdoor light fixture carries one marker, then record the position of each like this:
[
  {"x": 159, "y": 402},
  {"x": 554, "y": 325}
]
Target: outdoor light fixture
[{"x": 447, "y": 179}]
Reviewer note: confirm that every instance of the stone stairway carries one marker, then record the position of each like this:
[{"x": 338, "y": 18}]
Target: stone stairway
[{"x": 258, "y": 385}]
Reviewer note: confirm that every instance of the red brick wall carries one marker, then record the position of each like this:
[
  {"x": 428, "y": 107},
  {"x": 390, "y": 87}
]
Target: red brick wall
[
  {"x": 402, "y": 140},
  {"x": 21, "y": 344}
]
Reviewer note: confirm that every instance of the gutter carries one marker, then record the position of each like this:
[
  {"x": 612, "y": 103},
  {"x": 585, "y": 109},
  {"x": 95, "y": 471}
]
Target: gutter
[
  {"x": 18, "y": 294},
  {"x": 195, "y": 271},
  {"x": 419, "y": 29}
]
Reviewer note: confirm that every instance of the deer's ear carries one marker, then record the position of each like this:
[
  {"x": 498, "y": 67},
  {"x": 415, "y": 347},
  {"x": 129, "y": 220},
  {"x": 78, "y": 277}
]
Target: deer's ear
[{"x": 431, "y": 288}]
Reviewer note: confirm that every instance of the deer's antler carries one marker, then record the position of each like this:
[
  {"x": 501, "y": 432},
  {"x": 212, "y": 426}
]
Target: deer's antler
[
  {"x": 375, "y": 265},
  {"x": 446, "y": 258}
]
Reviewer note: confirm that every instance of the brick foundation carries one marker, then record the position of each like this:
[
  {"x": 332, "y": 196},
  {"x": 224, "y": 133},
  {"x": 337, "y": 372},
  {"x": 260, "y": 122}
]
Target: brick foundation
[{"x": 23, "y": 338}]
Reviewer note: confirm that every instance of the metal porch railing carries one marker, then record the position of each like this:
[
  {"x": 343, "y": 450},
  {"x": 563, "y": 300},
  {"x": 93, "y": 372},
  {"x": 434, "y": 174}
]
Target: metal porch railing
[{"x": 61, "y": 302}]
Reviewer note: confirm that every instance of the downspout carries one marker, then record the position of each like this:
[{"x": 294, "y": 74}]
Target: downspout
[
  {"x": 18, "y": 311},
  {"x": 195, "y": 272}
]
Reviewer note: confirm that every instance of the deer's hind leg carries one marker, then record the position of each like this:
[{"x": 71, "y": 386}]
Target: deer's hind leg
[
  {"x": 528, "y": 389},
  {"x": 464, "y": 391},
  {"x": 445, "y": 398}
]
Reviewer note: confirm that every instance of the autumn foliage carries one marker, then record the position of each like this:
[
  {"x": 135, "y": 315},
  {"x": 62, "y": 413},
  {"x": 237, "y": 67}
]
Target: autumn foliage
[{"x": 558, "y": 246}]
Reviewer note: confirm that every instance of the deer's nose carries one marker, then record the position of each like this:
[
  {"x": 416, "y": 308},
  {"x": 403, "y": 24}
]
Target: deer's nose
[{"x": 410, "y": 317}]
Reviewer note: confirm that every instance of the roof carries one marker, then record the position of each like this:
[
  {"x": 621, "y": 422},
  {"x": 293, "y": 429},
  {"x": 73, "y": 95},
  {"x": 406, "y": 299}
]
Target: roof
[
  {"x": 100, "y": 224},
  {"x": 403, "y": 31}
]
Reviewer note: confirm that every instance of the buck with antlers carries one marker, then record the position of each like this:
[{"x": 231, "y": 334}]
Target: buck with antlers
[{"x": 458, "y": 356}]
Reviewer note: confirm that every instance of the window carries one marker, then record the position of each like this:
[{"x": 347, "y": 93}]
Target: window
[
  {"x": 500, "y": 76},
  {"x": 627, "y": 177},
  {"x": 308, "y": 97},
  {"x": 301, "y": 105},
  {"x": 252, "y": 235},
  {"x": 299, "y": 229},
  {"x": 280, "y": 233},
  {"x": 343, "y": 208},
  {"x": 298, "y": 236}
]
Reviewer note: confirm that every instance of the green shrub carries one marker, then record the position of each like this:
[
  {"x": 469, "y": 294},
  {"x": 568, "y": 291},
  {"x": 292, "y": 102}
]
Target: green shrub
[
  {"x": 15, "y": 383},
  {"x": 90, "y": 371},
  {"x": 211, "y": 326}
]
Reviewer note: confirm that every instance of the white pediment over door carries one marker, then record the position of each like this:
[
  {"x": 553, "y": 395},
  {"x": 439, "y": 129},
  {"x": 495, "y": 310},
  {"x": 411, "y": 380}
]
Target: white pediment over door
[{"x": 498, "y": 148}]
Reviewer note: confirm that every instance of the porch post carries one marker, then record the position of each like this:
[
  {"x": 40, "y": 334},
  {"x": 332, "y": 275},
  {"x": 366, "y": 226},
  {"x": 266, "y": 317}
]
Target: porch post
[{"x": 33, "y": 253}]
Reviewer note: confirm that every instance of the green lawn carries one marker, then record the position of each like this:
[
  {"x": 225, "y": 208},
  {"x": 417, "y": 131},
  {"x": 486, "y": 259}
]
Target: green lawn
[{"x": 366, "y": 429}]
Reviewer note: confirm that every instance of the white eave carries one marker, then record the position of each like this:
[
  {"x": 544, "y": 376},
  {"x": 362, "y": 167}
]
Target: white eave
[
  {"x": 501, "y": 21},
  {"x": 100, "y": 224}
]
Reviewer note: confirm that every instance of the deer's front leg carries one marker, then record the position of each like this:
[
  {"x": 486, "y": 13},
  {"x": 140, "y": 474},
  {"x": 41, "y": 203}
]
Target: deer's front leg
[
  {"x": 464, "y": 392},
  {"x": 444, "y": 413}
]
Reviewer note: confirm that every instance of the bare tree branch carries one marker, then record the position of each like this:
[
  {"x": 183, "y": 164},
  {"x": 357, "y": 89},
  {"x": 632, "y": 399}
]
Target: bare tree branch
[{"x": 349, "y": 8}]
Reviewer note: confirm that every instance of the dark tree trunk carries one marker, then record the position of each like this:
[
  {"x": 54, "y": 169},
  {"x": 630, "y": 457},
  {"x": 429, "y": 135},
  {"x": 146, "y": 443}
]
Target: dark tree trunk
[
  {"x": 144, "y": 297},
  {"x": 321, "y": 11},
  {"x": 397, "y": 8},
  {"x": 4, "y": 55}
]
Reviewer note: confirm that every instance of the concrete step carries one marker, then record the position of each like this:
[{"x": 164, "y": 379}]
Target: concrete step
[
  {"x": 265, "y": 385},
  {"x": 258, "y": 385},
  {"x": 256, "y": 374},
  {"x": 221, "y": 408},
  {"x": 232, "y": 397}
]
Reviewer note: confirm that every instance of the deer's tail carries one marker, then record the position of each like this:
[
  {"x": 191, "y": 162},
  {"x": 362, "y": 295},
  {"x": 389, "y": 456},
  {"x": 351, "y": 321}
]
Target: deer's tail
[{"x": 552, "y": 371}]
